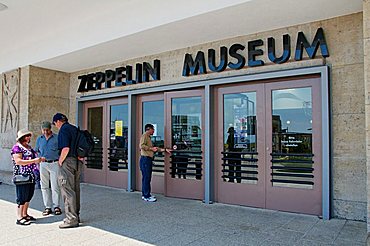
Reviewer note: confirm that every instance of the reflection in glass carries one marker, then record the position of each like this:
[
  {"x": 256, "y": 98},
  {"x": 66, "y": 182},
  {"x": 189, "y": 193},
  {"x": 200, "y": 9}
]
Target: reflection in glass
[
  {"x": 292, "y": 138},
  {"x": 118, "y": 138},
  {"x": 240, "y": 138},
  {"x": 153, "y": 113},
  {"x": 95, "y": 127},
  {"x": 186, "y": 160}
]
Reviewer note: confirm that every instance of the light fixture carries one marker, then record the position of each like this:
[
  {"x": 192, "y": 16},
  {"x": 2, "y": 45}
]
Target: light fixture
[{"x": 3, "y": 7}]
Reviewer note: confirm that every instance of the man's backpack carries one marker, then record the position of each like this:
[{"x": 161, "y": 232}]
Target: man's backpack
[{"x": 84, "y": 143}]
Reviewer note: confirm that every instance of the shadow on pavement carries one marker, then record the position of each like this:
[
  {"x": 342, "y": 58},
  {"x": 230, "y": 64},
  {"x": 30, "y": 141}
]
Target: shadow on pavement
[{"x": 112, "y": 216}]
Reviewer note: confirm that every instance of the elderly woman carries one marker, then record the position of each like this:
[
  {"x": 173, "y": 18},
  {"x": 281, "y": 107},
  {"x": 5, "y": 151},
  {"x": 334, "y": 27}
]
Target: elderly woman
[{"x": 25, "y": 162}]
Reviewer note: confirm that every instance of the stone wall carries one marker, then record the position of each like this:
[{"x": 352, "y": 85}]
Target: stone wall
[
  {"x": 366, "y": 28},
  {"x": 36, "y": 94},
  {"x": 348, "y": 117},
  {"x": 344, "y": 36},
  {"x": 48, "y": 95}
]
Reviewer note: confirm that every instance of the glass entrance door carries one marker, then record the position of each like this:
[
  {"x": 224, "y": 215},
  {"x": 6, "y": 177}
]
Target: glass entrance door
[
  {"x": 151, "y": 110},
  {"x": 240, "y": 145},
  {"x": 117, "y": 149},
  {"x": 95, "y": 168},
  {"x": 269, "y": 145},
  {"x": 294, "y": 144},
  {"x": 184, "y": 114}
]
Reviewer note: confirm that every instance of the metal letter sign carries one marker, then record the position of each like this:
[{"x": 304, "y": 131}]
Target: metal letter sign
[
  {"x": 195, "y": 67},
  {"x": 286, "y": 53},
  {"x": 124, "y": 76},
  {"x": 94, "y": 81},
  {"x": 198, "y": 66},
  {"x": 212, "y": 60},
  {"x": 311, "y": 50}
]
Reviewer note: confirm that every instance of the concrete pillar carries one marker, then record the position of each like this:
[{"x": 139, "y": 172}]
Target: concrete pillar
[{"x": 366, "y": 35}]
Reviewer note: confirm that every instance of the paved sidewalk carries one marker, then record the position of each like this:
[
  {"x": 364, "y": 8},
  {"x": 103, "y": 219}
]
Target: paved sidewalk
[{"x": 116, "y": 217}]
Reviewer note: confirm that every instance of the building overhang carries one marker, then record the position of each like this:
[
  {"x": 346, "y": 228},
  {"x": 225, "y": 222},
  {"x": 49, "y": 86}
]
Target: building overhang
[{"x": 75, "y": 35}]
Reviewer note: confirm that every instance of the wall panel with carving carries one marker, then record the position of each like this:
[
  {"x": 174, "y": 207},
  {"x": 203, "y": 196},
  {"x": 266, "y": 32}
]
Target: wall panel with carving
[{"x": 10, "y": 83}]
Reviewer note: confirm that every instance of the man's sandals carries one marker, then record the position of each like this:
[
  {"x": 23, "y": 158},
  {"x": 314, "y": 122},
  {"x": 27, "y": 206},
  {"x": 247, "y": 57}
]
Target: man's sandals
[
  {"x": 57, "y": 211},
  {"x": 47, "y": 211}
]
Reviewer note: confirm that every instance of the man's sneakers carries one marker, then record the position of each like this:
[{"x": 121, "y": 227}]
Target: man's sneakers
[
  {"x": 66, "y": 225},
  {"x": 142, "y": 197},
  {"x": 149, "y": 199}
]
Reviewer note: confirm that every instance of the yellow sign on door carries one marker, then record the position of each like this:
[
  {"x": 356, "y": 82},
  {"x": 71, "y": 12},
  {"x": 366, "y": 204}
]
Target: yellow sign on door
[{"x": 118, "y": 126}]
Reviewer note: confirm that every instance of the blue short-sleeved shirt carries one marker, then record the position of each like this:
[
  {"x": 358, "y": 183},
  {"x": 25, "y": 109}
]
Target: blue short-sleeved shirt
[
  {"x": 67, "y": 138},
  {"x": 48, "y": 148}
]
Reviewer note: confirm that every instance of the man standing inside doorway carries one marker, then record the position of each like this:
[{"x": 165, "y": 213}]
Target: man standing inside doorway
[
  {"x": 70, "y": 170},
  {"x": 147, "y": 151},
  {"x": 47, "y": 146}
]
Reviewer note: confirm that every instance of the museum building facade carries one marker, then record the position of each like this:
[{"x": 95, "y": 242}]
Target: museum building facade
[{"x": 273, "y": 120}]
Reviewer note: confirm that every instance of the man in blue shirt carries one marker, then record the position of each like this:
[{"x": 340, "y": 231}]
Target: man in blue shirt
[
  {"x": 47, "y": 146},
  {"x": 70, "y": 170}
]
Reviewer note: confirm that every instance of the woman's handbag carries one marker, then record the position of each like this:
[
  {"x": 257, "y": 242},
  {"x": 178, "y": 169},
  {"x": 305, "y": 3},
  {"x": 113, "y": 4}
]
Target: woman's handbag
[{"x": 22, "y": 179}]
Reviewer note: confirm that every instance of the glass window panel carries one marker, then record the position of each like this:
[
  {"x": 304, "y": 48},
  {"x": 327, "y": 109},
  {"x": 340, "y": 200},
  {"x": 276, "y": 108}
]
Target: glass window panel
[
  {"x": 95, "y": 127},
  {"x": 240, "y": 138},
  {"x": 186, "y": 135},
  {"x": 118, "y": 140},
  {"x": 153, "y": 113},
  {"x": 292, "y": 137}
]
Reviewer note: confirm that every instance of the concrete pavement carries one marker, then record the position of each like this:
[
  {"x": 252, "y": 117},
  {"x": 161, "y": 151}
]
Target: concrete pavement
[{"x": 116, "y": 217}]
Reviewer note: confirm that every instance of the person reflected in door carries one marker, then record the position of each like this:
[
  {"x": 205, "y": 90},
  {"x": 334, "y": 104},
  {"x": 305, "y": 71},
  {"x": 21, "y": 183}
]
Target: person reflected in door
[
  {"x": 234, "y": 161},
  {"x": 114, "y": 155},
  {"x": 147, "y": 151},
  {"x": 182, "y": 160}
]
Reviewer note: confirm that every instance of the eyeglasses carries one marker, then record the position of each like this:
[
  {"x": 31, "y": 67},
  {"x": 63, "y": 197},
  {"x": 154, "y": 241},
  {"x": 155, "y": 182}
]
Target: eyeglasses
[{"x": 28, "y": 135}]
